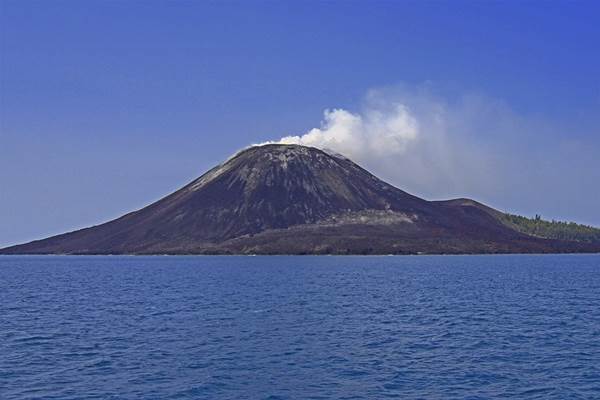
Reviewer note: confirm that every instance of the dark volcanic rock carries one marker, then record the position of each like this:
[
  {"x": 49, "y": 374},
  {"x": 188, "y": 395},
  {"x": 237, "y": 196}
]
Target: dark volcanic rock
[{"x": 278, "y": 199}]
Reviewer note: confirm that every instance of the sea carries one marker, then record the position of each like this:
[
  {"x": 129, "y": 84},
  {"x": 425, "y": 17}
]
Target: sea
[{"x": 300, "y": 327}]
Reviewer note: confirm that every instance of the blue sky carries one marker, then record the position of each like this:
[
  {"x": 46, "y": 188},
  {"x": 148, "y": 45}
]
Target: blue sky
[{"x": 107, "y": 106}]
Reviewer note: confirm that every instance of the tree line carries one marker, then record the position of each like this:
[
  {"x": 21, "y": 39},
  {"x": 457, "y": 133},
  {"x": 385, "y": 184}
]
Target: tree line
[{"x": 552, "y": 229}]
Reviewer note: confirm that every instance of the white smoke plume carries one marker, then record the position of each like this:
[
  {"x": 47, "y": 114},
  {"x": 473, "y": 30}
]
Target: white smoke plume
[
  {"x": 467, "y": 145},
  {"x": 401, "y": 136},
  {"x": 374, "y": 133}
]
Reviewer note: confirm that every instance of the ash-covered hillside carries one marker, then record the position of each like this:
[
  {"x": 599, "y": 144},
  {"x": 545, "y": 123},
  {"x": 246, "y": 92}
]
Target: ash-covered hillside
[{"x": 290, "y": 199}]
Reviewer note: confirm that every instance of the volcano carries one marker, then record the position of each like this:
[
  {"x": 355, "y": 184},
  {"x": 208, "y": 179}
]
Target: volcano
[{"x": 291, "y": 199}]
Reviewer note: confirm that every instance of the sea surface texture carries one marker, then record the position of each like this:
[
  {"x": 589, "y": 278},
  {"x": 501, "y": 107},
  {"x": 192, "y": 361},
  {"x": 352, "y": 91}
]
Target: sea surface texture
[{"x": 408, "y": 327}]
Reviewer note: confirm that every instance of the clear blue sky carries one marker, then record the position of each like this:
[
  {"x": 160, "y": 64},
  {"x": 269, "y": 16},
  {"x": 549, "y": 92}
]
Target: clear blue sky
[{"x": 106, "y": 106}]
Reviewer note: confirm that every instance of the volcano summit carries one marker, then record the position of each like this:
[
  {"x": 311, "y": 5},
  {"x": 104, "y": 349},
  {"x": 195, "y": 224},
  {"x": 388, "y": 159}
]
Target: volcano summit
[{"x": 291, "y": 199}]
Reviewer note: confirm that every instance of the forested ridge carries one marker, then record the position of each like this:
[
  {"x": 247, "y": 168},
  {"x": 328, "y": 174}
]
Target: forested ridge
[{"x": 552, "y": 229}]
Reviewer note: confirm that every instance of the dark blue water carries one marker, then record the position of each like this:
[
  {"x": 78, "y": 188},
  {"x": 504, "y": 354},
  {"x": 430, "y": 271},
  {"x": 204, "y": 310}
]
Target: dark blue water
[{"x": 476, "y": 327}]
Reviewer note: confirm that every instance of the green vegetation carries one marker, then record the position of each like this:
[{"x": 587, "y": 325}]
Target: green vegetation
[{"x": 552, "y": 229}]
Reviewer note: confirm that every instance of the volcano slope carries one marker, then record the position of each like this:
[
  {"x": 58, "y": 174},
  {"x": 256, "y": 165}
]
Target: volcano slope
[{"x": 290, "y": 199}]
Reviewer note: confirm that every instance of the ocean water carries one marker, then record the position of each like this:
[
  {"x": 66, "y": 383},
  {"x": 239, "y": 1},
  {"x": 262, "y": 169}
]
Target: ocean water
[{"x": 408, "y": 327}]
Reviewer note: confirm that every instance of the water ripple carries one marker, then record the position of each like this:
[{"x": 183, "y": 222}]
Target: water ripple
[{"x": 479, "y": 327}]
